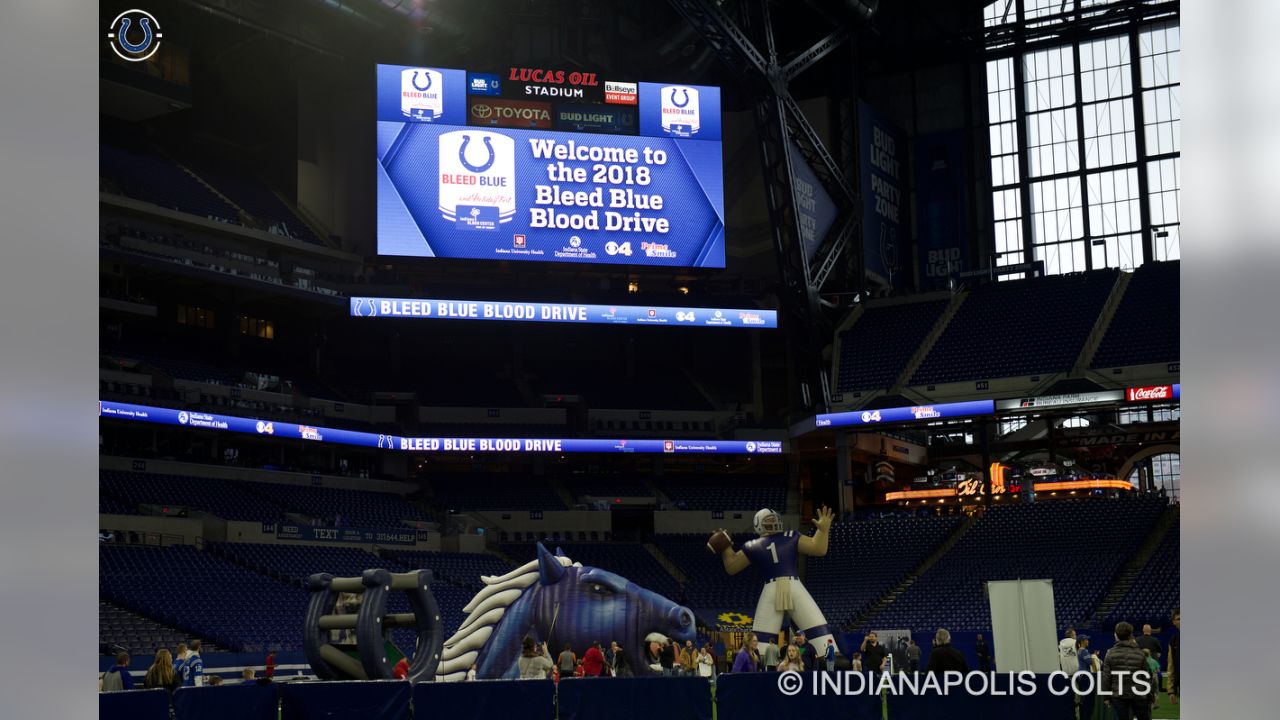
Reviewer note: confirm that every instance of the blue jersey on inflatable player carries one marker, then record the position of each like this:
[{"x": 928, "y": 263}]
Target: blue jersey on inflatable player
[{"x": 775, "y": 557}]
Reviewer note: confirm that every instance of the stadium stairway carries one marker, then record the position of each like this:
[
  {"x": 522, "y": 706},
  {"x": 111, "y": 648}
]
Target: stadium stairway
[
  {"x": 860, "y": 623},
  {"x": 1100, "y": 327},
  {"x": 672, "y": 569},
  {"x": 904, "y": 378},
  {"x": 1123, "y": 582},
  {"x": 562, "y": 492}
]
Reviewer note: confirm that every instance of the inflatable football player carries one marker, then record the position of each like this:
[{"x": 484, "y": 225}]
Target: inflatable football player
[{"x": 775, "y": 556}]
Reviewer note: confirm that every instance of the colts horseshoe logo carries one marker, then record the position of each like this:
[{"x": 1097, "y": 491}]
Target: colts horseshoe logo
[
  {"x": 462, "y": 155},
  {"x": 423, "y": 88},
  {"x": 118, "y": 35},
  {"x": 673, "y": 97}
]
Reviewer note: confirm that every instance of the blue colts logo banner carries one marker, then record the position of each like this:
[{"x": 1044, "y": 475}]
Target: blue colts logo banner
[
  {"x": 680, "y": 111},
  {"x": 134, "y": 35},
  {"x": 477, "y": 187},
  {"x": 422, "y": 95}
]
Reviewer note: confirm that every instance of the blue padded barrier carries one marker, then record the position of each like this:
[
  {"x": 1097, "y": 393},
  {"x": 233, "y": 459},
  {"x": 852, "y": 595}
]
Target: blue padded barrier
[
  {"x": 354, "y": 700},
  {"x": 959, "y": 703},
  {"x": 485, "y": 699},
  {"x": 239, "y": 701},
  {"x": 134, "y": 705},
  {"x": 758, "y": 695},
  {"x": 624, "y": 698}
]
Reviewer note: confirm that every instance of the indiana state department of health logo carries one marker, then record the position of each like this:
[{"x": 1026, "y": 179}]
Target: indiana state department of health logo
[
  {"x": 477, "y": 179},
  {"x": 680, "y": 115},
  {"x": 134, "y": 35},
  {"x": 421, "y": 94}
]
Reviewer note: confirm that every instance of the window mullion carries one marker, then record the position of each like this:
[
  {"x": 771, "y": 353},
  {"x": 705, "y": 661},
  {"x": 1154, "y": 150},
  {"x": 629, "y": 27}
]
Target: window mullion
[
  {"x": 1140, "y": 145},
  {"x": 1083, "y": 163}
]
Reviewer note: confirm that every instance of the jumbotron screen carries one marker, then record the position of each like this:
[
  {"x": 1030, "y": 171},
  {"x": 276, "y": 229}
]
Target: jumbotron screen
[{"x": 548, "y": 165}]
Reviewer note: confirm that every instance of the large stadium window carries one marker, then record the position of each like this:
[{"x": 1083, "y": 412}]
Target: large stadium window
[
  {"x": 1084, "y": 136},
  {"x": 265, "y": 329}
]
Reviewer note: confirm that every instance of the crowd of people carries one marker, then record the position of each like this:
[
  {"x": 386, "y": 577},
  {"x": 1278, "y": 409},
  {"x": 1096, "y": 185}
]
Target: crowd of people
[
  {"x": 1116, "y": 667},
  {"x": 172, "y": 670}
]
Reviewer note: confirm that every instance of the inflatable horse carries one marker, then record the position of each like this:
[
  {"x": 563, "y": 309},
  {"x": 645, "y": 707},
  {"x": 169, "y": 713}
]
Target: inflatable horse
[{"x": 556, "y": 600}]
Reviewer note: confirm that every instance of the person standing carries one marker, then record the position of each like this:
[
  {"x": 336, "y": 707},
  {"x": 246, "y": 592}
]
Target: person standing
[
  {"x": 855, "y": 662},
  {"x": 161, "y": 673},
  {"x": 180, "y": 663},
  {"x": 117, "y": 677},
  {"x": 401, "y": 669},
  {"x": 706, "y": 664},
  {"x": 471, "y": 673},
  {"x": 593, "y": 661},
  {"x": 913, "y": 655},
  {"x": 807, "y": 656},
  {"x": 621, "y": 666},
  {"x": 792, "y": 661},
  {"x": 611, "y": 657},
  {"x": 533, "y": 664},
  {"x": 829, "y": 660},
  {"x": 270, "y": 670},
  {"x": 667, "y": 658},
  {"x": 984, "y": 654},
  {"x": 1122, "y": 671},
  {"x": 1150, "y": 643},
  {"x": 567, "y": 661},
  {"x": 194, "y": 666},
  {"x": 1153, "y": 666},
  {"x": 873, "y": 654},
  {"x": 944, "y": 657},
  {"x": 748, "y": 660},
  {"x": 769, "y": 656},
  {"x": 1067, "y": 660}
]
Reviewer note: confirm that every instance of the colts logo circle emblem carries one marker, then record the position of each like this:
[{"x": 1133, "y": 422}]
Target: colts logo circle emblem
[{"x": 134, "y": 35}]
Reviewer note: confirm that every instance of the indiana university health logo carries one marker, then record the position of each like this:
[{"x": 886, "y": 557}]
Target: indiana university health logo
[
  {"x": 421, "y": 94},
  {"x": 680, "y": 110},
  {"x": 477, "y": 179}
]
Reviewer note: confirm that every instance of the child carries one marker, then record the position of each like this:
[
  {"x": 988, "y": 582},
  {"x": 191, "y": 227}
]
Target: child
[{"x": 1153, "y": 666}]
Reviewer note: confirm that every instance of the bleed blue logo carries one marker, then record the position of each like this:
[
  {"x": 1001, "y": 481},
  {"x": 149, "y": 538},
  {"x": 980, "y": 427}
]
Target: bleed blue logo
[
  {"x": 483, "y": 84},
  {"x": 477, "y": 179},
  {"x": 134, "y": 35}
]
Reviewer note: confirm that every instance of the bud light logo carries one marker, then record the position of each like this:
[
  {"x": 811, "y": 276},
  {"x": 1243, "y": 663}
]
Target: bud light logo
[
  {"x": 421, "y": 94},
  {"x": 477, "y": 179},
  {"x": 680, "y": 115}
]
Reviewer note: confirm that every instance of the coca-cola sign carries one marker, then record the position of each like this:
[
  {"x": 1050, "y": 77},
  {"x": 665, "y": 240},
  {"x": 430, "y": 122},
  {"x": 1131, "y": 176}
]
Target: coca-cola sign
[{"x": 1149, "y": 393}]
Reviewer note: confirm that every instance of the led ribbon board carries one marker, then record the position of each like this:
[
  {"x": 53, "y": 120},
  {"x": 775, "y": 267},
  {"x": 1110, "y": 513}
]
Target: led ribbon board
[
  {"x": 543, "y": 179},
  {"x": 913, "y": 413},
  {"x": 312, "y": 433},
  {"x": 562, "y": 313}
]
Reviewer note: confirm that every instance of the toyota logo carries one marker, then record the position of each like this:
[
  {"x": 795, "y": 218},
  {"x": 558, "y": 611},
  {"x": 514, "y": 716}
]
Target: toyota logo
[{"x": 481, "y": 111}]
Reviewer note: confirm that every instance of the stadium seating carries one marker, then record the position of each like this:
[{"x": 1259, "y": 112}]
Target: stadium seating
[
  {"x": 1155, "y": 590},
  {"x": 1022, "y": 327},
  {"x": 875, "y": 349},
  {"x": 606, "y": 486},
  {"x": 708, "y": 585},
  {"x": 736, "y": 492},
  {"x": 1145, "y": 326},
  {"x": 137, "y": 634},
  {"x": 357, "y": 508},
  {"x": 256, "y": 199},
  {"x": 867, "y": 558},
  {"x": 203, "y": 595},
  {"x": 494, "y": 492},
  {"x": 146, "y": 175},
  {"x": 1079, "y": 543},
  {"x": 222, "y": 498}
]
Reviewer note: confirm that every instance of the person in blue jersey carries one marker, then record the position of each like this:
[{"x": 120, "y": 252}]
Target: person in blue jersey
[
  {"x": 194, "y": 667},
  {"x": 775, "y": 555},
  {"x": 180, "y": 663}
]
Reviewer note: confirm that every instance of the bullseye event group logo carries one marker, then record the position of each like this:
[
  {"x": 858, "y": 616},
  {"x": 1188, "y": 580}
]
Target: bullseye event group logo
[{"x": 134, "y": 35}]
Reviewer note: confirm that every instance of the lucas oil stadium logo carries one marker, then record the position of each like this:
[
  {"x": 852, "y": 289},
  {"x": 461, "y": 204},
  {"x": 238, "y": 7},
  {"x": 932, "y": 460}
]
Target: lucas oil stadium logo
[
  {"x": 421, "y": 94},
  {"x": 477, "y": 179},
  {"x": 134, "y": 35},
  {"x": 680, "y": 115}
]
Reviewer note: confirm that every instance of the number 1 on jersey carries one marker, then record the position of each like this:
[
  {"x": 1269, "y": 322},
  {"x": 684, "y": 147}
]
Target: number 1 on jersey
[{"x": 773, "y": 550}]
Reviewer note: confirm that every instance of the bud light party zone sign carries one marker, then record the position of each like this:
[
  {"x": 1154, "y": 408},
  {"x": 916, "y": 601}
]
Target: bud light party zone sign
[
  {"x": 504, "y": 193},
  {"x": 253, "y": 426}
]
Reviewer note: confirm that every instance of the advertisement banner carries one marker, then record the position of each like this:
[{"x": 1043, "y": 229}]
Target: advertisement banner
[
  {"x": 310, "y": 533},
  {"x": 470, "y": 445},
  {"x": 552, "y": 84},
  {"x": 941, "y": 230},
  {"x": 814, "y": 208},
  {"x": 522, "y": 192},
  {"x": 499, "y": 112},
  {"x": 906, "y": 414},
  {"x": 563, "y": 313},
  {"x": 1044, "y": 401},
  {"x": 882, "y": 156}
]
